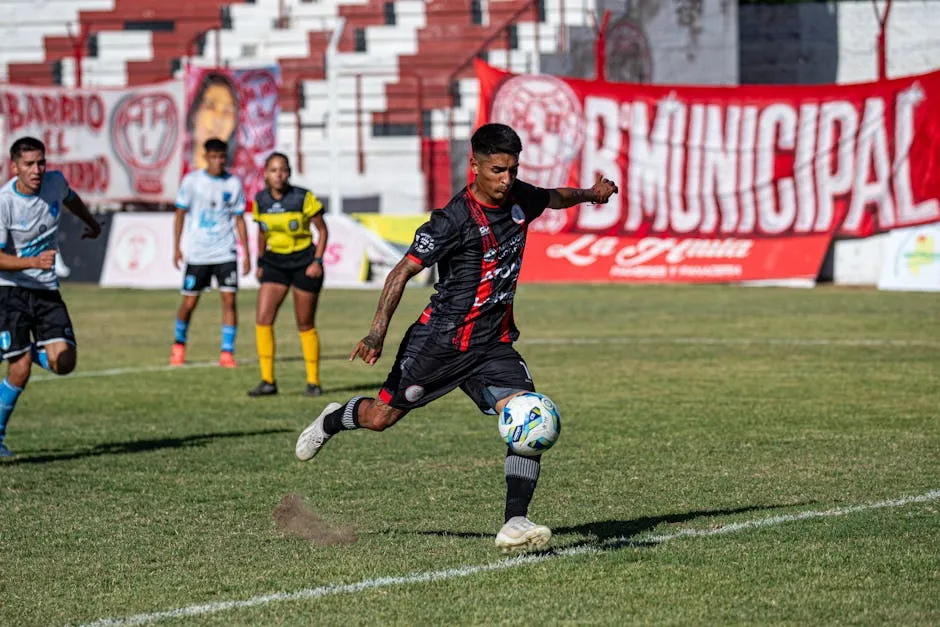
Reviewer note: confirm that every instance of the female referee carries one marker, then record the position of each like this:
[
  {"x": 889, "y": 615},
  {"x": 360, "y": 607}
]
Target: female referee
[{"x": 286, "y": 217}]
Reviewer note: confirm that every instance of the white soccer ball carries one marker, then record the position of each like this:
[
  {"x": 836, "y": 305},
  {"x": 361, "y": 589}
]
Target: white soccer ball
[{"x": 530, "y": 424}]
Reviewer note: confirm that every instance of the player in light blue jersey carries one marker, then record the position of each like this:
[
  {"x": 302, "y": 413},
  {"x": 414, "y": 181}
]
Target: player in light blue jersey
[
  {"x": 211, "y": 205},
  {"x": 34, "y": 322}
]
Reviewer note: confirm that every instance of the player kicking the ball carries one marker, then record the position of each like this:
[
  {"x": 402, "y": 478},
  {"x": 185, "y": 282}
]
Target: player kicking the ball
[{"x": 464, "y": 337}]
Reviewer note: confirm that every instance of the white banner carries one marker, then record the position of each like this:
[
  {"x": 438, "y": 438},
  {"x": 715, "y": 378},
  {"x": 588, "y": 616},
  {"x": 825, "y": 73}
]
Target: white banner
[
  {"x": 111, "y": 144},
  {"x": 912, "y": 260},
  {"x": 140, "y": 253}
]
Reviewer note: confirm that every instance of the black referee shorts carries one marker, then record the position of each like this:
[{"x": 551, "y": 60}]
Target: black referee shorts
[{"x": 290, "y": 270}]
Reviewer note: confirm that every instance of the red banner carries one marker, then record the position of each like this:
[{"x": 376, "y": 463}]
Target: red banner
[
  {"x": 751, "y": 163},
  {"x": 573, "y": 257},
  {"x": 111, "y": 144}
]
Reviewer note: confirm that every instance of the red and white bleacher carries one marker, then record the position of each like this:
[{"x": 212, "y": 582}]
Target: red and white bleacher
[{"x": 395, "y": 66}]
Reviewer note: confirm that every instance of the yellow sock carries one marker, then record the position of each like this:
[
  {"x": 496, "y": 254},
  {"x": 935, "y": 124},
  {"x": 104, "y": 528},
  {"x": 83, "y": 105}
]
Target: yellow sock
[
  {"x": 264, "y": 336},
  {"x": 310, "y": 343}
]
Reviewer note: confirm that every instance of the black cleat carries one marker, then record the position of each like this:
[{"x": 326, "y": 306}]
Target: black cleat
[
  {"x": 313, "y": 390},
  {"x": 264, "y": 389}
]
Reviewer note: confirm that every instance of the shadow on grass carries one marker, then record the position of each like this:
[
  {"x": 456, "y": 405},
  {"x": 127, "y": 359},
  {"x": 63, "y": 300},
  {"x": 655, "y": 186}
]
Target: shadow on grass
[
  {"x": 141, "y": 446},
  {"x": 617, "y": 534}
]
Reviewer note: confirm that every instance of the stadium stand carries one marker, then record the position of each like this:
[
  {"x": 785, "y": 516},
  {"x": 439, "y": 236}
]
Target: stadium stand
[{"x": 402, "y": 64}]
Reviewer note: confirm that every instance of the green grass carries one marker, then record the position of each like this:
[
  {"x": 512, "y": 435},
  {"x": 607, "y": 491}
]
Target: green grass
[{"x": 691, "y": 408}]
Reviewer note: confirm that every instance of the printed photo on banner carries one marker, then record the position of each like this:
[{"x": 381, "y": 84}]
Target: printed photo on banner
[
  {"x": 111, "y": 144},
  {"x": 238, "y": 106}
]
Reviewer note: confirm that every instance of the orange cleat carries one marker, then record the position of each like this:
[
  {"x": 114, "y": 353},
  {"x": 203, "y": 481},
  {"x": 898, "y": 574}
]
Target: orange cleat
[
  {"x": 227, "y": 360},
  {"x": 178, "y": 354}
]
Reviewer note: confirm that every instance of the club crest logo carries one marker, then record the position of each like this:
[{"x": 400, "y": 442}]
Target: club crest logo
[
  {"x": 136, "y": 248},
  {"x": 145, "y": 128},
  {"x": 413, "y": 393},
  {"x": 518, "y": 215},
  {"x": 550, "y": 121},
  {"x": 424, "y": 243},
  {"x": 5, "y": 340}
]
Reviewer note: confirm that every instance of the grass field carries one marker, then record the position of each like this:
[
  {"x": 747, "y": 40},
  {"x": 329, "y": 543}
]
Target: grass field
[{"x": 729, "y": 456}]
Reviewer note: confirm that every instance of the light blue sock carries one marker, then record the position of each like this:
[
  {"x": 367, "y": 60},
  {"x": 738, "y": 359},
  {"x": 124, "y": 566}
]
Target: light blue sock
[
  {"x": 182, "y": 328},
  {"x": 228, "y": 338},
  {"x": 40, "y": 357},
  {"x": 8, "y": 395}
]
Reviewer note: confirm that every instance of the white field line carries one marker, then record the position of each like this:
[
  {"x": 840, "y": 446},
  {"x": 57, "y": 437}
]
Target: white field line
[
  {"x": 733, "y": 341},
  {"x": 560, "y": 341},
  {"x": 466, "y": 571},
  {"x": 116, "y": 372}
]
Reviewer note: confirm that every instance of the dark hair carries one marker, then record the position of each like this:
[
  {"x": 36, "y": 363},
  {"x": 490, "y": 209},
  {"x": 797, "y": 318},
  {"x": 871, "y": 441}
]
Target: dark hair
[
  {"x": 210, "y": 79},
  {"x": 277, "y": 155},
  {"x": 215, "y": 145},
  {"x": 26, "y": 144},
  {"x": 496, "y": 139}
]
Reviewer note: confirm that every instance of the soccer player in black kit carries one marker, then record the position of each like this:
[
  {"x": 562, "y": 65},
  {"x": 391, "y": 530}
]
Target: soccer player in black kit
[{"x": 464, "y": 337}]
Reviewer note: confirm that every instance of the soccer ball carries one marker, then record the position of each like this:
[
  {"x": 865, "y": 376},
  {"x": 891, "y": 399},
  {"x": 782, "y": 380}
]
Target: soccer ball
[{"x": 529, "y": 424}]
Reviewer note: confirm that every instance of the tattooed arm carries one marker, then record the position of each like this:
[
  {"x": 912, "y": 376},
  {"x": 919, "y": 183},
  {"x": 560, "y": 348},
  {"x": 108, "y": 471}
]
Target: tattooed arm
[
  {"x": 565, "y": 197},
  {"x": 369, "y": 348}
]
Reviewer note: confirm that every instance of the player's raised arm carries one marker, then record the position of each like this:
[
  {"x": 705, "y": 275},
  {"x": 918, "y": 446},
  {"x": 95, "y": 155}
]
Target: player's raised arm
[
  {"x": 74, "y": 203},
  {"x": 599, "y": 194},
  {"x": 369, "y": 348}
]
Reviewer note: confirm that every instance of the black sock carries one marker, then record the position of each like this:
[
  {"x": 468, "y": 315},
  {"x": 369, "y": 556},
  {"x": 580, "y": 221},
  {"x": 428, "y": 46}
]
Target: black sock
[
  {"x": 346, "y": 418},
  {"x": 522, "y": 474}
]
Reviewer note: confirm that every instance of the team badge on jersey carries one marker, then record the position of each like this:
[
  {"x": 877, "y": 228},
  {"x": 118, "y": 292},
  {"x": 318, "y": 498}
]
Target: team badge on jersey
[
  {"x": 5, "y": 340},
  {"x": 518, "y": 215},
  {"x": 424, "y": 243},
  {"x": 413, "y": 393}
]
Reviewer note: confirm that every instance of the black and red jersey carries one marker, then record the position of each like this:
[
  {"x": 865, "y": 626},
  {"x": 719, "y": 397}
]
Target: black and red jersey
[{"x": 478, "y": 251}]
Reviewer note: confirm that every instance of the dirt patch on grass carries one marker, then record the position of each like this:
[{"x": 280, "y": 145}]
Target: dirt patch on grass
[{"x": 295, "y": 518}]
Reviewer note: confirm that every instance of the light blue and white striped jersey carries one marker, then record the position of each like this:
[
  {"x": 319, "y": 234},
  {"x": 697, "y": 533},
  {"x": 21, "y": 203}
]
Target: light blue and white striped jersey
[
  {"x": 29, "y": 224},
  {"x": 211, "y": 203}
]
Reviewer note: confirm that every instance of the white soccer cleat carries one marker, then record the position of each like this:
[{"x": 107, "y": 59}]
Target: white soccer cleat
[
  {"x": 312, "y": 438},
  {"x": 521, "y": 534}
]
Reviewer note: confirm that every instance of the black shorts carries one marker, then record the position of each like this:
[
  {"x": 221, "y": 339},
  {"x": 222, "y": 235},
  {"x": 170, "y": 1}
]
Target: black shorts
[
  {"x": 426, "y": 370},
  {"x": 28, "y": 316},
  {"x": 290, "y": 270},
  {"x": 198, "y": 277}
]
